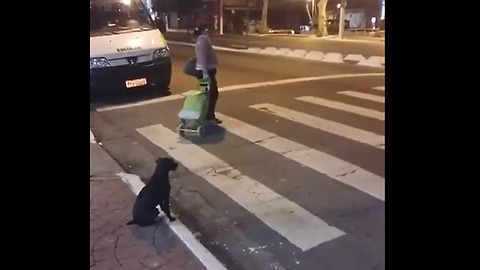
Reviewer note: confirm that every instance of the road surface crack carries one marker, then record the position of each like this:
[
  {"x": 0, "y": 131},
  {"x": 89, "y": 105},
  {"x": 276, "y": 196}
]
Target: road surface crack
[
  {"x": 265, "y": 109},
  {"x": 264, "y": 139},
  {"x": 294, "y": 150},
  {"x": 201, "y": 196},
  {"x": 344, "y": 174},
  {"x": 249, "y": 190}
]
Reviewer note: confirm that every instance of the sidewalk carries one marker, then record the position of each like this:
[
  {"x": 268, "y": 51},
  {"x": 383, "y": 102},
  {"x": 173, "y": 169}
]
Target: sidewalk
[{"x": 116, "y": 246}]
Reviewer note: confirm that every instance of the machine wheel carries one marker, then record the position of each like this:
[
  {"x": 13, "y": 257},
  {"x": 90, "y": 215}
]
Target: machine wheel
[
  {"x": 180, "y": 132},
  {"x": 201, "y": 131}
]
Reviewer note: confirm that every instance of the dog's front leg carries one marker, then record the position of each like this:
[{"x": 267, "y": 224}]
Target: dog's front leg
[{"x": 165, "y": 206}]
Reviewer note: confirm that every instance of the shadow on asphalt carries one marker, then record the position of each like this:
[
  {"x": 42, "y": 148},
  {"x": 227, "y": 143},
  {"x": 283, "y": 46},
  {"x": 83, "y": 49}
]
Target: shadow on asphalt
[
  {"x": 214, "y": 135},
  {"x": 158, "y": 233},
  {"x": 125, "y": 98}
]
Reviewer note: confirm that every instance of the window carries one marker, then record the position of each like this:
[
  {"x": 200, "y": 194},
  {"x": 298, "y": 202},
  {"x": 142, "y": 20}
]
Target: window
[{"x": 109, "y": 17}]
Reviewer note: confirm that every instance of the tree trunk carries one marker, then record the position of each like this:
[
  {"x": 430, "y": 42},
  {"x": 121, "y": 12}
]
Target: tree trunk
[
  {"x": 322, "y": 18},
  {"x": 263, "y": 25}
]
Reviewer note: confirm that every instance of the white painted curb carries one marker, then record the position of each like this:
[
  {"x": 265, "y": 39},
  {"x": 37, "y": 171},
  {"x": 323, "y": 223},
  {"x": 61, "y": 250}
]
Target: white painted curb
[
  {"x": 300, "y": 53},
  {"x": 354, "y": 57},
  {"x": 333, "y": 58},
  {"x": 373, "y": 61},
  {"x": 92, "y": 138},
  {"x": 283, "y": 51},
  {"x": 205, "y": 256},
  {"x": 269, "y": 51},
  {"x": 254, "y": 49},
  {"x": 315, "y": 55}
]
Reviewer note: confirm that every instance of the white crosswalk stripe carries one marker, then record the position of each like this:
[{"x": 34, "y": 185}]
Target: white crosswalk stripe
[
  {"x": 281, "y": 214},
  {"x": 343, "y": 107},
  {"x": 333, "y": 167},
  {"x": 375, "y": 98},
  {"x": 356, "y": 134},
  {"x": 299, "y": 226},
  {"x": 379, "y": 88}
]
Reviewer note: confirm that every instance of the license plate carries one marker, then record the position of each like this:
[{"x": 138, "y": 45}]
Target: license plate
[{"x": 136, "y": 83}]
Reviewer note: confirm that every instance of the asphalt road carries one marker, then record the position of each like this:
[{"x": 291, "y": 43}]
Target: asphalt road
[
  {"x": 284, "y": 183},
  {"x": 301, "y": 42}
]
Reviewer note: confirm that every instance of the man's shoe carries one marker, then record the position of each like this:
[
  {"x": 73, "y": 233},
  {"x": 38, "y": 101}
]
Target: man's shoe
[{"x": 216, "y": 120}]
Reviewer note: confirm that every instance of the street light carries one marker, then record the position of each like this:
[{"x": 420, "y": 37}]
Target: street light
[
  {"x": 341, "y": 25},
  {"x": 221, "y": 16}
]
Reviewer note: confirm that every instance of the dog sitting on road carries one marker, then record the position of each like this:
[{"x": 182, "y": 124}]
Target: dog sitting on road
[{"x": 155, "y": 192}]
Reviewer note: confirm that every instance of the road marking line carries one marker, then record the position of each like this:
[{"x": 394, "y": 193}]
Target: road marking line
[
  {"x": 321, "y": 162},
  {"x": 343, "y": 107},
  {"x": 370, "y": 97},
  {"x": 379, "y": 88},
  {"x": 359, "y": 135},
  {"x": 241, "y": 87},
  {"x": 297, "y": 80},
  {"x": 139, "y": 103},
  {"x": 204, "y": 256},
  {"x": 92, "y": 138},
  {"x": 296, "y": 224}
]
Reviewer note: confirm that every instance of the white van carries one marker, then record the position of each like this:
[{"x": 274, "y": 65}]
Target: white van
[{"x": 127, "y": 51}]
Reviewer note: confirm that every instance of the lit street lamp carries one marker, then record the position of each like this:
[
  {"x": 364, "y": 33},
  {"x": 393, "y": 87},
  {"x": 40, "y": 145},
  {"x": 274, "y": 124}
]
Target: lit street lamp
[{"x": 341, "y": 25}]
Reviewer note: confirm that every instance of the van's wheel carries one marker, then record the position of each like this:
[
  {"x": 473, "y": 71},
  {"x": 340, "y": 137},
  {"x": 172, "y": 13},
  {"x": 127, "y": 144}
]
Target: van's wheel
[{"x": 162, "y": 87}]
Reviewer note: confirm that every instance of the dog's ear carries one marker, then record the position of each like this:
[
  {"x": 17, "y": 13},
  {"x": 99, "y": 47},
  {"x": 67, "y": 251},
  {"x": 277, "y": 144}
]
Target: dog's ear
[
  {"x": 171, "y": 164},
  {"x": 174, "y": 165}
]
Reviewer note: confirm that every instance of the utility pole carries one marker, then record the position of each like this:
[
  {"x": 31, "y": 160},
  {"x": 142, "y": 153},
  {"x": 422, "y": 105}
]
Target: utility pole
[
  {"x": 313, "y": 10},
  {"x": 220, "y": 13},
  {"x": 341, "y": 24},
  {"x": 247, "y": 30}
]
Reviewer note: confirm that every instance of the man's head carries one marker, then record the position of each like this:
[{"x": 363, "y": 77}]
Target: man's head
[
  {"x": 200, "y": 30},
  {"x": 168, "y": 163}
]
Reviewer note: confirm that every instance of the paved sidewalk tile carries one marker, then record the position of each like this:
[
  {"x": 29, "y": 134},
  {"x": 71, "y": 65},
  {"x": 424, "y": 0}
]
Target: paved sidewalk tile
[{"x": 116, "y": 246}]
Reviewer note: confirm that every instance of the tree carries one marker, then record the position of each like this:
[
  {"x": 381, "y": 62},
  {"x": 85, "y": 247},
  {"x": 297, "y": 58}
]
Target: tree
[
  {"x": 263, "y": 24},
  {"x": 187, "y": 8},
  {"x": 166, "y": 6},
  {"x": 322, "y": 18}
]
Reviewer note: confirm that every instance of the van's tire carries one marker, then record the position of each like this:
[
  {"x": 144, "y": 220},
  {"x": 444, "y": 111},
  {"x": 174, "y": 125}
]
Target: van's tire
[{"x": 162, "y": 87}]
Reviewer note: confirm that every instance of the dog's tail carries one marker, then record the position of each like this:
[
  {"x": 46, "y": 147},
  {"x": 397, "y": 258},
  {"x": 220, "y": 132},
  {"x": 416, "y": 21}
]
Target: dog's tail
[{"x": 131, "y": 222}]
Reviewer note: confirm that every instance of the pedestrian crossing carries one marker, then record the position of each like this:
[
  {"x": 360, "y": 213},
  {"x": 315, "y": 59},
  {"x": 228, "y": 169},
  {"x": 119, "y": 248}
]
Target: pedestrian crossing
[
  {"x": 342, "y": 130},
  {"x": 375, "y": 98},
  {"x": 343, "y": 107},
  {"x": 283, "y": 215}
]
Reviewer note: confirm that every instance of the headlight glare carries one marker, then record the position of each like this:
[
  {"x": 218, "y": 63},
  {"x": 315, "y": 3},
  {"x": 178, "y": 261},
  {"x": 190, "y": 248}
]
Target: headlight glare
[
  {"x": 99, "y": 62},
  {"x": 161, "y": 53}
]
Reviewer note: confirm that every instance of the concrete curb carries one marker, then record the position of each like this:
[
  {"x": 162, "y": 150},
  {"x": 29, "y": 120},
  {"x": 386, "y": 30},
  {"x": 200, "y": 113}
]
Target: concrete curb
[
  {"x": 318, "y": 56},
  {"x": 204, "y": 256}
]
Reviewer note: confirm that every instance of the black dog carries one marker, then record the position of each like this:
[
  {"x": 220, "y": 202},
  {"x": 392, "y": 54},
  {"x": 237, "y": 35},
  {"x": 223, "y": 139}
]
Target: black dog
[{"x": 155, "y": 192}]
